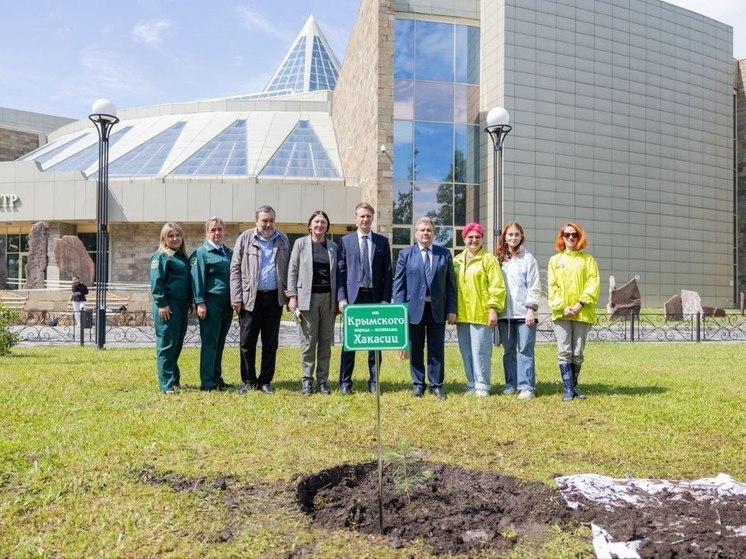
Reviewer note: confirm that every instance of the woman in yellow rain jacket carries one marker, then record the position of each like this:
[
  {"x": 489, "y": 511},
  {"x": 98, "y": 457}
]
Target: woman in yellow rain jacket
[{"x": 574, "y": 289}]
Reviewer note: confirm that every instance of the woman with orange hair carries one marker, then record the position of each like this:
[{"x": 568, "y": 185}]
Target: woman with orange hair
[{"x": 574, "y": 289}]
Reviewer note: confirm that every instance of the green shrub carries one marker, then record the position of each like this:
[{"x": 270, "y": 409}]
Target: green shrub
[{"x": 8, "y": 339}]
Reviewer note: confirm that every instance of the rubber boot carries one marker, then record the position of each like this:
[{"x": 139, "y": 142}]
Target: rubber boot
[
  {"x": 575, "y": 374},
  {"x": 566, "y": 373},
  {"x": 307, "y": 387}
]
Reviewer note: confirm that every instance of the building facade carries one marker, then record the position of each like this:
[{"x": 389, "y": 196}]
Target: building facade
[{"x": 624, "y": 116}]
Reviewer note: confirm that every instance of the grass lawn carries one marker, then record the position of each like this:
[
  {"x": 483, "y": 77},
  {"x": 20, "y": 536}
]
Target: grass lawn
[{"x": 95, "y": 462}]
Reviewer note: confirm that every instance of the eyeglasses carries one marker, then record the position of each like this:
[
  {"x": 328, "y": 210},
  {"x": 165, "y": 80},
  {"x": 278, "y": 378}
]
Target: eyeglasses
[{"x": 570, "y": 235}]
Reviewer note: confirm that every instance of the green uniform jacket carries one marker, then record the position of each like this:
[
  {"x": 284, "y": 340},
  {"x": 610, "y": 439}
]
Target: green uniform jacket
[
  {"x": 170, "y": 281},
  {"x": 573, "y": 277},
  {"x": 210, "y": 273},
  {"x": 479, "y": 286}
]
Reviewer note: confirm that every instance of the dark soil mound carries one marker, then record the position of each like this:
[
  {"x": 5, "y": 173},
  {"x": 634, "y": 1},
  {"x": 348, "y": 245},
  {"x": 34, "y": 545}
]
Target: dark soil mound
[{"x": 455, "y": 511}]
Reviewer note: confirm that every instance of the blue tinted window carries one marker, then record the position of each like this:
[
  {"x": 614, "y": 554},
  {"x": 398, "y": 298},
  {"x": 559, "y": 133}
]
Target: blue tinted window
[
  {"x": 433, "y": 101},
  {"x": 403, "y": 192},
  {"x": 403, "y": 99},
  {"x": 290, "y": 76},
  {"x": 301, "y": 155},
  {"x": 86, "y": 157},
  {"x": 433, "y": 147},
  {"x": 466, "y": 104},
  {"x": 466, "y": 154},
  {"x": 403, "y": 150},
  {"x": 467, "y": 54},
  {"x": 433, "y": 51},
  {"x": 323, "y": 72},
  {"x": 404, "y": 48},
  {"x": 148, "y": 158},
  {"x": 225, "y": 154},
  {"x": 53, "y": 152}
]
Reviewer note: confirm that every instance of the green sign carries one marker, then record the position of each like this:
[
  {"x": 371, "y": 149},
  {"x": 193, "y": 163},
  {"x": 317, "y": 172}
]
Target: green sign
[{"x": 375, "y": 327}]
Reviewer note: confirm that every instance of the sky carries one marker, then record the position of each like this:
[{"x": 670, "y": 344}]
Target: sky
[{"x": 57, "y": 57}]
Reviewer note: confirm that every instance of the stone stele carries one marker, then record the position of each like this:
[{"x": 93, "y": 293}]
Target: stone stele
[
  {"x": 690, "y": 302},
  {"x": 625, "y": 300},
  {"x": 673, "y": 308},
  {"x": 73, "y": 259},
  {"x": 36, "y": 265}
]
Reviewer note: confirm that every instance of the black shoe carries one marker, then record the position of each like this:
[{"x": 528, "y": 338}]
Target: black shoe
[
  {"x": 440, "y": 393},
  {"x": 267, "y": 389},
  {"x": 324, "y": 389},
  {"x": 222, "y": 385},
  {"x": 245, "y": 387},
  {"x": 306, "y": 388},
  {"x": 372, "y": 388},
  {"x": 346, "y": 389},
  {"x": 418, "y": 391}
]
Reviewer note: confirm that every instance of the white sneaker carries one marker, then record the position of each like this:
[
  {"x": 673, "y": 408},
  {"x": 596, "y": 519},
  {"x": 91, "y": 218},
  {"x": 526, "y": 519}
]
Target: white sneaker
[
  {"x": 482, "y": 393},
  {"x": 469, "y": 391},
  {"x": 526, "y": 395},
  {"x": 509, "y": 391}
]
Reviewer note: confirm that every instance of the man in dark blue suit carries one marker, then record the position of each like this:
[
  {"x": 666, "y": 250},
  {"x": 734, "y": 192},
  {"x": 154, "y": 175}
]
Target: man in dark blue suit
[
  {"x": 364, "y": 275},
  {"x": 426, "y": 280}
]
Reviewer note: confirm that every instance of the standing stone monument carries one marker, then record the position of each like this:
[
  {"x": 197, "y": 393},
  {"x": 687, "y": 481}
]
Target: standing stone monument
[
  {"x": 36, "y": 265},
  {"x": 674, "y": 309},
  {"x": 73, "y": 259},
  {"x": 690, "y": 302},
  {"x": 623, "y": 301}
]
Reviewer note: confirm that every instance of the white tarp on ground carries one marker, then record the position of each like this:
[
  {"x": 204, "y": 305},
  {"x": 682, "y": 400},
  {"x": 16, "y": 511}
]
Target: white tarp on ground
[{"x": 613, "y": 493}]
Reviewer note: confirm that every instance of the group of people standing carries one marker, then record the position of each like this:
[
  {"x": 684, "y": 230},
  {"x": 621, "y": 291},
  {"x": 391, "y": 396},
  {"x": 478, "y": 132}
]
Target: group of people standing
[{"x": 488, "y": 297}]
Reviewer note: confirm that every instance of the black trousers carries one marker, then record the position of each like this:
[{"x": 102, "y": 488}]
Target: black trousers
[
  {"x": 264, "y": 320},
  {"x": 347, "y": 360}
]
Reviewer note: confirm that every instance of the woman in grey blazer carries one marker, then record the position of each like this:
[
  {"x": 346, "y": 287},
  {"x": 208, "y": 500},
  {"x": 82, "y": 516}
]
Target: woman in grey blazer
[{"x": 312, "y": 288}]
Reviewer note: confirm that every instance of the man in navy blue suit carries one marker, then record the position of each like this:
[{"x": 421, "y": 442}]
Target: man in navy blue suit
[
  {"x": 426, "y": 280},
  {"x": 364, "y": 275}
]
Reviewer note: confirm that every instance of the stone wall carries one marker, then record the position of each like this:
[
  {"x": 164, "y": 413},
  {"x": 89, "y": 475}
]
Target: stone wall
[
  {"x": 741, "y": 173},
  {"x": 14, "y": 143},
  {"x": 132, "y": 244},
  {"x": 363, "y": 108}
]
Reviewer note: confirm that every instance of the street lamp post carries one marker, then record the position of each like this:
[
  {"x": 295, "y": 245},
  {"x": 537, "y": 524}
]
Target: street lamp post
[
  {"x": 104, "y": 116},
  {"x": 497, "y": 128}
]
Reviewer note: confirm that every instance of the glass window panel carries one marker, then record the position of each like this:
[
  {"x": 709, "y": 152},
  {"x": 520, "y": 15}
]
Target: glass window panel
[
  {"x": 54, "y": 150},
  {"x": 444, "y": 236},
  {"x": 459, "y": 204},
  {"x": 24, "y": 243},
  {"x": 434, "y": 201},
  {"x": 403, "y": 192},
  {"x": 14, "y": 243},
  {"x": 467, "y": 54},
  {"x": 458, "y": 236},
  {"x": 404, "y": 100},
  {"x": 433, "y": 51},
  {"x": 433, "y": 146},
  {"x": 466, "y": 154},
  {"x": 403, "y": 150},
  {"x": 404, "y": 48},
  {"x": 87, "y": 156},
  {"x": 291, "y": 73},
  {"x": 466, "y": 104},
  {"x": 401, "y": 236},
  {"x": 433, "y": 101},
  {"x": 147, "y": 158},
  {"x": 301, "y": 155},
  {"x": 225, "y": 151}
]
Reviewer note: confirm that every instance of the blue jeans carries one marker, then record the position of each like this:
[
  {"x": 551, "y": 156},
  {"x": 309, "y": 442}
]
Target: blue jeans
[
  {"x": 475, "y": 344},
  {"x": 518, "y": 360}
]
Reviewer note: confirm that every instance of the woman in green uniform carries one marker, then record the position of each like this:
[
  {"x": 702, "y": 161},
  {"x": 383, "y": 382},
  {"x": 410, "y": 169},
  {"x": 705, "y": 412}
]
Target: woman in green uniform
[
  {"x": 171, "y": 286},
  {"x": 211, "y": 290}
]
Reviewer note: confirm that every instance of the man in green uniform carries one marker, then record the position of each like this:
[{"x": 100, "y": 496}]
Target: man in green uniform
[{"x": 210, "y": 265}]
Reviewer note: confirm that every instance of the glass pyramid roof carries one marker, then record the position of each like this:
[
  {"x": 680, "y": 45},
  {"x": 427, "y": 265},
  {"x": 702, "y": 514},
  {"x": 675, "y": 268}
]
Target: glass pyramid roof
[
  {"x": 87, "y": 157},
  {"x": 300, "y": 155},
  {"x": 147, "y": 158},
  {"x": 225, "y": 154}
]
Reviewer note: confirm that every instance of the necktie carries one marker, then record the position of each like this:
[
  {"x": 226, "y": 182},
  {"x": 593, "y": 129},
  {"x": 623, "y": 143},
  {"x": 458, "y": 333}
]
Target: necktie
[
  {"x": 367, "y": 282},
  {"x": 221, "y": 250},
  {"x": 428, "y": 267}
]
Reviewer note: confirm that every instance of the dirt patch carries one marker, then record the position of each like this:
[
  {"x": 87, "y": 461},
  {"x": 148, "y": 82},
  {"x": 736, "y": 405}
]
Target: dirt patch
[
  {"x": 458, "y": 511},
  {"x": 455, "y": 511}
]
